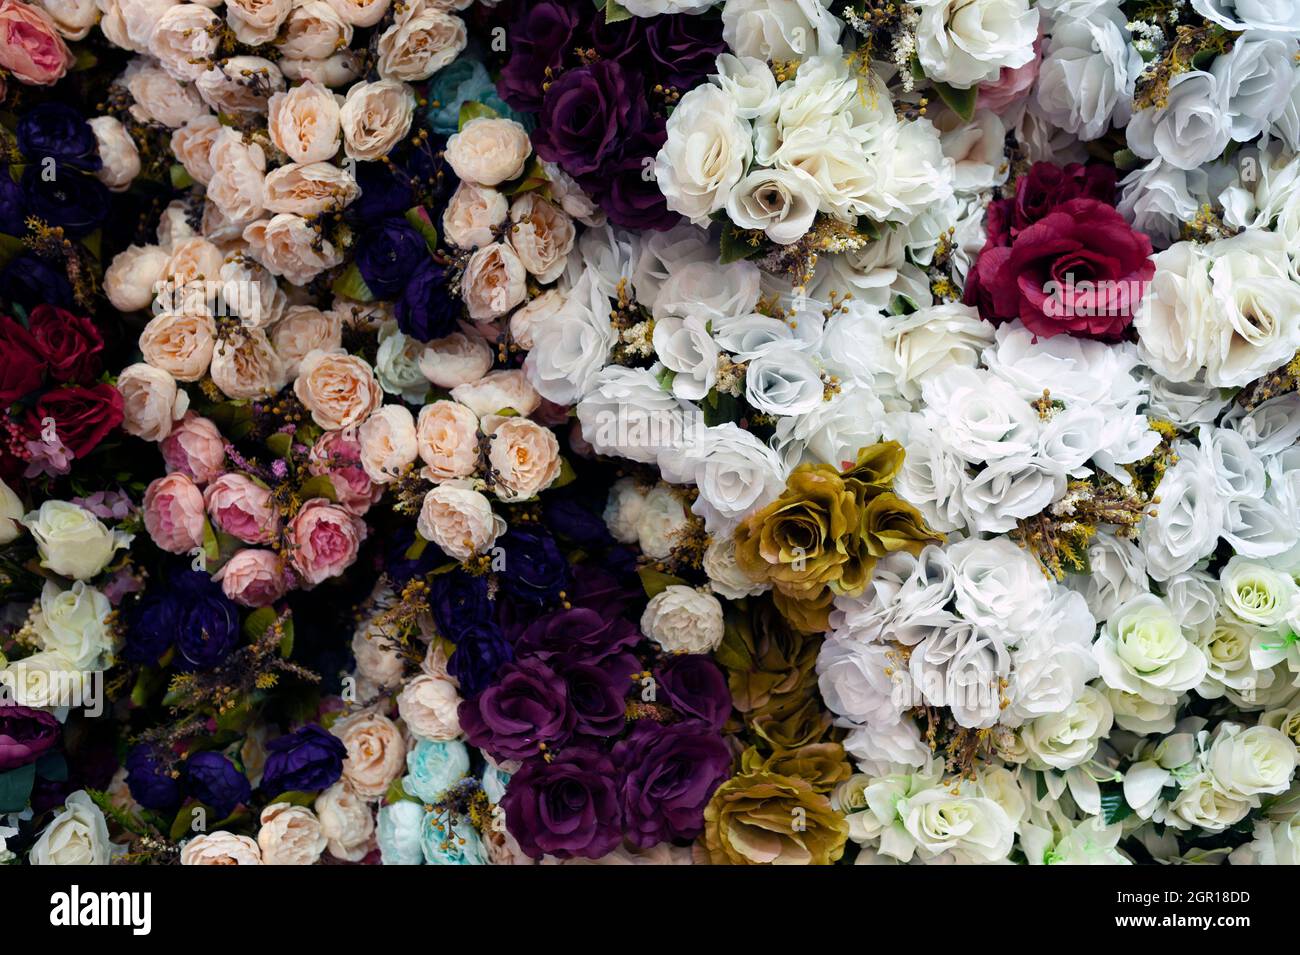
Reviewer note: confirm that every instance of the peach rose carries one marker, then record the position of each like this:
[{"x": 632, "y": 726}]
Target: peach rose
[
  {"x": 241, "y": 84},
  {"x": 541, "y": 233},
  {"x": 185, "y": 40},
  {"x": 304, "y": 122},
  {"x": 72, "y": 18},
  {"x": 378, "y": 659},
  {"x": 160, "y": 97},
  {"x": 174, "y": 224},
  {"x": 121, "y": 160},
  {"x": 525, "y": 457},
  {"x": 524, "y": 320},
  {"x": 192, "y": 146},
  {"x": 150, "y": 401},
  {"x": 173, "y": 513},
  {"x": 447, "y": 436},
  {"x": 288, "y": 246},
  {"x": 131, "y": 277},
  {"x": 221, "y": 848},
  {"x": 310, "y": 189},
  {"x": 498, "y": 391},
  {"x": 302, "y": 330},
  {"x": 313, "y": 31},
  {"x": 360, "y": 13},
  {"x": 459, "y": 520},
  {"x": 347, "y": 821},
  {"x": 419, "y": 44},
  {"x": 455, "y": 360},
  {"x": 250, "y": 291},
  {"x": 129, "y": 23},
  {"x": 489, "y": 150},
  {"x": 239, "y": 169},
  {"x": 253, "y": 577},
  {"x": 388, "y": 443},
  {"x": 376, "y": 752},
  {"x": 246, "y": 366},
  {"x": 30, "y": 46},
  {"x": 338, "y": 455},
  {"x": 375, "y": 117},
  {"x": 180, "y": 344},
  {"x": 428, "y": 707},
  {"x": 338, "y": 389},
  {"x": 191, "y": 262},
  {"x": 256, "y": 21},
  {"x": 290, "y": 835},
  {"x": 341, "y": 69},
  {"x": 194, "y": 448},
  {"x": 495, "y": 281},
  {"x": 471, "y": 215},
  {"x": 242, "y": 508},
  {"x": 324, "y": 539}
]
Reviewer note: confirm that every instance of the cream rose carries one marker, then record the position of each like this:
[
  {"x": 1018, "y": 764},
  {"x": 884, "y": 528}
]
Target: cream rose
[
  {"x": 489, "y": 150},
  {"x": 71, "y": 541},
  {"x": 221, "y": 848},
  {"x": 472, "y": 214},
  {"x": 309, "y": 190},
  {"x": 524, "y": 320},
  {"x": 455, "y": 360},
  {"x": 1249, "y": 763},
  {"x": 447, "y": 437},
  {"x": 191, "y": 262},
  {"x": 161, "y": 98},
  {"x": 340, "y": 390},
  {"x": 192, "y": 146},
  {"x": 347, "y": 822},
  {"x": 494, "y": 282},
  {"x": 151, "y": 401},
  {"x": 237, "y": 180},
  {"x": 1143, "y": 650},
  {"x": 185, "y": 40},
  {"x": 241, "y": 84},
  {"x": 131, "y": 278},
  {"x": 121, "y": 160},
  {"x": 180, "y": 344},
  {"x": 497, "y": 392},
  {"x": 541, "y": 233},
  {"x": 289, "y": 247},
  {"x": 376, "y": 752},
  {"x": 361, "y": 13},
  {"x": 428, "y": 706},
  {"x": 314, "y": 31},
  {"x": 375, "y": 117},
  {"x": 290, "y": 835},
  {"x": 256, "y": 21},
  {"x": 683, "y": 620},
  {"x": 305, "y": 123},
  {"x": 525, "y": 458},
  {"x": 420, "y": 43},
  {"x": 72, "y": 18},
  {"x": 388, "y": 443},
  {"x": 77, "y": 835},
  {"x": 459, "y": 520},
  {"x": 11, "y": 514},
  {"x": 246, "y": 366},
  {"x": 302, "y": 330}
]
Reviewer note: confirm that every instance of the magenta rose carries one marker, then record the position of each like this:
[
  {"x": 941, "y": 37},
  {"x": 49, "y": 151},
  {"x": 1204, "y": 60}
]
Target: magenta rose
[
  {"x": 195, "y": 448},
  {"x": 23, "y": 369},
  {"x": 70, "y": 343},
  {"x": 173, "y": 513},
  {"x": 338, "y": 454},
  {"x": 25, "y": 735},
  {"x": 324, "y": 539},
  {"x": 30, "y": 46},
  {"x": 1080, "y": 270},
  {"x": 242, "y": 508}
]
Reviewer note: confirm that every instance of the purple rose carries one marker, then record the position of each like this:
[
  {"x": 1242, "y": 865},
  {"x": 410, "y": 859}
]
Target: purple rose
[
  {"x": 576, "y": 635},
  {"x": 626, "y": 192},
  {"x": 522, "y": 714},
  {"x": 565, "y": 808},
  {"x": 588, "y": 116},
  {"x": 541, "y": 35},
  {"x": 598, "y": 694},
  {"x": 683, "y": 49},
  {"x": 695, "y": 688},
  {"x": 148, "y": 776},
  {"x": 669, "y": 774},
  {"x": 215, "y": 781},
  {"x": 307, "y": 760},
  {"x": 25, "y": 735}
]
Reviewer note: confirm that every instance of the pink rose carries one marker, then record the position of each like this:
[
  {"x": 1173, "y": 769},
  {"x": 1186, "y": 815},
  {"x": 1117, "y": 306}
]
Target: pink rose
[
  {"x": 324, "y": 539},
  {"x": 195, "y": 448},
  {"x": 242, "y": 508},
  {"x": 30, "y": 46},
  {"x": 446, "y": 435},
  {"x": 173, "y": 513},
  {"x": 1012, "y": 85},
  {"x": 338, "y": 454},
  {"x": 253, "y": 578}
]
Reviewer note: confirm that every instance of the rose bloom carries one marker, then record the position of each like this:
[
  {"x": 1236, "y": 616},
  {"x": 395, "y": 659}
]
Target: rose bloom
[
  {"x": 338, "y": 389},
  {"x": 388, "y": 443},
  {"x": 229, "y": 87},
  {"x": 183, "y": 40},
  {"x": 360, "y": 13},
  {"x": 419, "y": 44},
  {"x": 541, "y": 234},
  {"x": 446, "y": 435},
  {"x": 130, "y": 279},
  {"x": 428, "y": 706},
  {"x": 472, "y": 213},
  {"x": 524, "y": 319},
  {"x": 239, "y": 171},
  {"x": 151, "y": 401},
  {"x": 1012, "y": 85},
  {"x": 192, "y": 261},
  {"x": 302, "y": 330},
  {"x": 256, "y": 21},
  {"x": 161, "y": 98},
  {"x": 494, "y": 282},
  {"x": 304, "y": 122},
  {"x": 489, "y": 151},
  {"x": 338, "y": 455},
  {"x": 253, "y": 577},
  {"x": 30, "y": 46},
  {"x": 242, "y": 508},
  {"x": 173, "y": 513},
  {"x": 290, "y": 835},
  {"x": 117, "y": 151},
  {"x": 194, "y": 448},
  {"x": 498, "y": 391},
  {"x": 459, "y": 520},
  {"x": 247, "y": 366},
  {"x": 341, "y": 69},
  {"x": 324, "y": 539},
  {"x": 376, "y": 752},
  {"x": 221, "y": 848},
  {"x": 74, "y": 19},
  {"x": 375, "y": 117},
  {"x": 313, "y": 31},
  {"x": 192, "y": 146},
  {"x": 309, "y": 190},
  {"x": 347, "y": 821},
  {"x": 180, "y": 344},
  {"x": 526, "y": 458},
  {"x": 288, "y": 246},
  {"x": 455, "y": 360}
]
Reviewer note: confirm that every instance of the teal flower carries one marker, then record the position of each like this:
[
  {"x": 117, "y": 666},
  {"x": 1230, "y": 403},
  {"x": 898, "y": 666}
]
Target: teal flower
[
  {"x": 433, "y": 768},
  {"x": 399, "y": 833},
  {"x": 459, "y": 846},
  {"x": 464, "y": 81}
]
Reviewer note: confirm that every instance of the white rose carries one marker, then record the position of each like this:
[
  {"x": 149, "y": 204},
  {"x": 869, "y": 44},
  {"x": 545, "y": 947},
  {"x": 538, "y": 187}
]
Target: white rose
[
  {"x": 686, "y": 349},
  {"x": 347, "y": 822},
  {"x": 780, "y": 29},
  {"x": 77, "y": 835},
  {"x": 1088, "y": 73},
  {"x": 73, "y": 18},
  {"x": 1273, "y": 16},
  {"x": 783, "y": 383},
  {"x": 973, "y": 828},
  {"x": 726, "y": 579},
  {"x": 1000, "y": 587},
  {"x": 1139, "y": 715},
  {"x": 708, "y": 149},
  {"x": 1068, "y": 738},
  {"x": 1157, "y": 199},
  {"x": 833, "y": 431},
  {"x": 74, "y": 623},
  {"x": 781, "y": 202},
  {"x": 572, "y": 346},
  {"x": 375, "y": 117},
  {"x": 623, "y": 509},
  {"x": 1142, "y": 650},
  {"x": 963, "y": 669},
  {"x": 397, "y": 364},
  {"x": 1248, "y": 763},
  {"x": 72, "y": 541},
  {"x": 1189, "y": 519},
  {"x": 1117, "y": 574},
  {"x": 663, "y": 517},
  {"x": 683, "y": 620},
  {"x": 1193, "y": 127},
  {"x": 1256, "y": 77},
  {"x": 964, "y": 42},
  {"x": 625, "y": 413},
  {"x": 1257, "y": 594},
  {"x": 735, "y": 472},
  {"x": 1202, "y": 804},
  {"x": 1050, "y": 669},
  {"x": 11, "y": 514}
]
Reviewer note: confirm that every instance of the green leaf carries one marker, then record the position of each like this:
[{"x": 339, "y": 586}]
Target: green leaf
[
  {"x": 474, "y": 110},
  {"x": 533, "y": 178},
  {"x": 1041, "y": 788},
  {"x": 83, "y": 60},
  {"x": 286, "y": 641},
  {"x": 10, "y": 248},
  {"x": 616, "y": 12},
  {"x": 351, "y": 285},
  {"x": 179, "y": 177},
  {"x": 397, "y": 793},
  {"x": 296, "y": 798},
  {"x": 961, "y": 102},
  {"x": 257, "y": 622},
  {"x": 279, "y": 444},
  {"x": 1126, "y": 160},
  {"x": 735, "y": 244},
  {"x": 16, "y": 787},
  {"x": 1114, "y": 806},
  {"x": 319, "y": 486},
  {"x": 419, "y": 217},
  {"x": 52, "y": 766},
  {"x": 211, "y": 546},
  {"x": 655, "y": 582},
  {"x": 417, "y": 548},
  {"x": 719, "y": 408},
  {"x": 567, "y": 474},
  {"x": 665, "y": 378}
]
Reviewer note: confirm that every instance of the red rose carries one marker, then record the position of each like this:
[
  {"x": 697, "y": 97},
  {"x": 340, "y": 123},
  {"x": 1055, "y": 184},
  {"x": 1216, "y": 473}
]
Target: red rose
[
  {"x": 70, "y": 344},
  {"x": 1040, "y": 190},
  {"x": 1080, "y": 270},
  {"x": 23, "y": 367},
  {"x": 82, "y": 416}
]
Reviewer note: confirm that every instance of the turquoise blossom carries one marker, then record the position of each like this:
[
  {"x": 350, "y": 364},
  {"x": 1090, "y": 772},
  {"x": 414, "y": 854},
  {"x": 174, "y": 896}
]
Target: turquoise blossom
[
  {"x": 458, "y": 844},
  {"x": 464, "y": 81},
  {"x": 399, "y": 833},
  {"x": 433, "y": 768}
]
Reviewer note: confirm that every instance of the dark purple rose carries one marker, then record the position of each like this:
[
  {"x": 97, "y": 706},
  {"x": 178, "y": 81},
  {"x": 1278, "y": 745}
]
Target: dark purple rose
[
  {"x": 537, "y": 570},
  {"x": 458, "y": 600},
  {"x": 74, "y": 201},
  {"x": 25, "y": 735},
  {"x": 522, "y": 714},
  {"x": 669, "y": 773},
  {"x": 602, "y": 590},
  {"x": 151, "y": 629},
  {"x": 426, "y": 309},
  {"x": 32, "y": 281},
  {"x": 215, "y": 781},
  {"x": 576, "y": 520},
  {"x": 576, "y": 635},
  {"x": 481, "y": 651},
  {"x": 565, "y": 808},
  {"x": 695, "y": 687},
  {"x": 307, "y": 760},
  {"x": 12, "y": 206},
  {"x": 627, "y": 192},
  {"x": 388, "y": 255},
  {"x": 598, "y": 693},
  {"x": 57, "y": 131},
  {"x": 207, "y": 630},
  {"x": 148, "y": 776},
  {"x": 383, "y": 194},
  {"x": 540, "y": 36},
  {"x": 588, "y": 116},
  {"x": 682, "y": 48},
  {"x": 23, "y": 368}
]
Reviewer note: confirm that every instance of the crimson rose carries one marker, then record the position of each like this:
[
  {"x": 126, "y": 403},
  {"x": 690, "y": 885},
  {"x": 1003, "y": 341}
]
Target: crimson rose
[
  {"x": 23, "y": 368},
  {"x": 82, "y": 416},
  {"x": 71, "y": 344}
]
